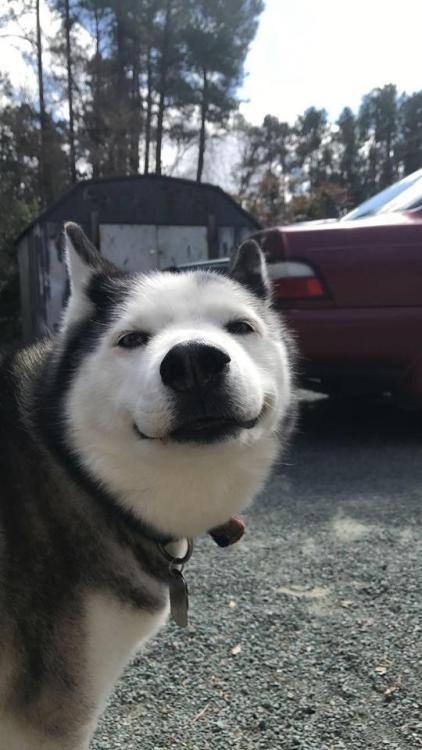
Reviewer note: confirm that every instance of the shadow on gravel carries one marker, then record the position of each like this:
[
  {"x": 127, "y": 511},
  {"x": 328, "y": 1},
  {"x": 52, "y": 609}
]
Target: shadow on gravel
[
  {"x": 362, "y": 458},
  {"x": 358, "y": 457}
]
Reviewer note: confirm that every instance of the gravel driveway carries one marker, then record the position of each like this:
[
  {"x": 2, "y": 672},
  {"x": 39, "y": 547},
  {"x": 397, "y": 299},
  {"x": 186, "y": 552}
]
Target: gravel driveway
[{"x": 308, "y": 634}]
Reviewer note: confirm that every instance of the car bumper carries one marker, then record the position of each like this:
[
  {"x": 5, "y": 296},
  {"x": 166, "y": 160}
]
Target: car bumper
[{"x": 375, "y": 347}]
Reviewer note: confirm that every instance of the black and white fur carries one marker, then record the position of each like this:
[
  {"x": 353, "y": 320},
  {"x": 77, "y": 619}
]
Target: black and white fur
[{"x": 154, "y": 415}]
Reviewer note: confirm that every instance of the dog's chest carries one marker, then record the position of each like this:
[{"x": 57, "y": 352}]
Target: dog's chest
[{"x": 114, "y": 632}]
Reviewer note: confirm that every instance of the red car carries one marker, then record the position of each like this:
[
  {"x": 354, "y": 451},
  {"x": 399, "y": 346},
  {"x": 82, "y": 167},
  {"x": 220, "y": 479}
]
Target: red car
[{"x": 351, "y": 289}]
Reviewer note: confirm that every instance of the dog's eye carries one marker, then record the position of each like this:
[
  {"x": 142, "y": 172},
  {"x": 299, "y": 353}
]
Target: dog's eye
[
  {"x": 133, "y": 340},
  {"x": 239, "y": 327}
]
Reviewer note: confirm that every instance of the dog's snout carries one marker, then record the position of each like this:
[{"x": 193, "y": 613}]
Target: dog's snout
[{"x": 187, "y": 367}]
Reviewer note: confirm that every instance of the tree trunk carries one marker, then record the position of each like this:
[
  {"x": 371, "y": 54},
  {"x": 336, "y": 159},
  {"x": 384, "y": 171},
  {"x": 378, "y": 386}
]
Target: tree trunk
[
  {"x": 120, "y": 162},
  {"x": 159, "y": 141},
  {"x": 202, "y": 132},
  {"x": 149, "y": 112},
  {"x": 95, "y": 151},
  {"x": 162, "y": 88},
  {"x": 45, "y": 182},
  {"x": 70, "y": 95},
  {"x": 136, "y": 109}
]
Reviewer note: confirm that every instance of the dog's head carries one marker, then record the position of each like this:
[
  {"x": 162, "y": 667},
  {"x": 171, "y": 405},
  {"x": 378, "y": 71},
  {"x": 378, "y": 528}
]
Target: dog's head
[{"x": 177, "y": 385}]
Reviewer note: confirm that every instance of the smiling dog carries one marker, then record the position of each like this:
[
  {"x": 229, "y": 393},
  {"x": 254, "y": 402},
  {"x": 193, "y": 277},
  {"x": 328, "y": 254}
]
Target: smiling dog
[{"x": 153, "y": 416}]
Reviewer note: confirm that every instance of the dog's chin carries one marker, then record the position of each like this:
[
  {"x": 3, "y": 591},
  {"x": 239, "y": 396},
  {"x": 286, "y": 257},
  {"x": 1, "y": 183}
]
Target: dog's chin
[{"x": 205, "y": 430}]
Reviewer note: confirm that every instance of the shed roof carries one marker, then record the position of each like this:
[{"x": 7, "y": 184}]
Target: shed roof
[{"x": 145, "y": 199}]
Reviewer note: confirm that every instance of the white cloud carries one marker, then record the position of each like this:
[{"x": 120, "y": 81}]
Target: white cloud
[{"x": 329, "y": 53}]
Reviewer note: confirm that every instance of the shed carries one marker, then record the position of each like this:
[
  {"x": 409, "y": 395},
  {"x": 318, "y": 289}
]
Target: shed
[{"x": 141, "y": 222}]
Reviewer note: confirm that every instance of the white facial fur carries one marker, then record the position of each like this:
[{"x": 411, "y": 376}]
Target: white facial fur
[{"x": 179, "y": 488}]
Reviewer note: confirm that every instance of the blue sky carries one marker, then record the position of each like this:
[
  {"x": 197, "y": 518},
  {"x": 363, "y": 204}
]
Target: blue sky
[{"x": 328, "y": 53}]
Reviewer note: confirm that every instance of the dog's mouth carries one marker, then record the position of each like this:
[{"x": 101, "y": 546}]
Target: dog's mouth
[
  {"x": 210, "y": 429},
  {"x": 203, "y": 430}
]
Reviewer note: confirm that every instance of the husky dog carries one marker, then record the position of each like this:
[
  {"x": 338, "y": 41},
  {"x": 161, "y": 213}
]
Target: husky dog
[{"x": 153, "y": 416}]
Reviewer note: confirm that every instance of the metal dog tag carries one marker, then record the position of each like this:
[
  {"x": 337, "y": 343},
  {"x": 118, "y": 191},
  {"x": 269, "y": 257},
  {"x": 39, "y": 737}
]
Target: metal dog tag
[{"x": 179, "y": 598}]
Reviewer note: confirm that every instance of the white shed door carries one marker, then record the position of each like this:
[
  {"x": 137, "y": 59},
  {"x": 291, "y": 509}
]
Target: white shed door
[{"x": 135, "y": 247}]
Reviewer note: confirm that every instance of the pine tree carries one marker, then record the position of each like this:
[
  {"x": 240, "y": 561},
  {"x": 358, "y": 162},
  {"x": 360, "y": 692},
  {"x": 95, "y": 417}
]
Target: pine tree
[
  {"x": 349, "y": 160},
  {"x": 378, "y": 120},
  {"x": 313, "y": 147},
  {"x": 410, "y": 116},
  {"x": 263, "y": 175},
  {"x": 217, "y": 42}
]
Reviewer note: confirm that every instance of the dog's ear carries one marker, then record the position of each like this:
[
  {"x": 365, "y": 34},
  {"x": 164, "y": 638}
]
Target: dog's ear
[
  {"x": 82, "y": 258},
  {"x": 249, "y": 268}
]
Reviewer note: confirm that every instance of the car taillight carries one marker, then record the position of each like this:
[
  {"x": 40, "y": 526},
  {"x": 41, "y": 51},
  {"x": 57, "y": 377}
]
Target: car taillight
[{"x": 294, "y": 280}]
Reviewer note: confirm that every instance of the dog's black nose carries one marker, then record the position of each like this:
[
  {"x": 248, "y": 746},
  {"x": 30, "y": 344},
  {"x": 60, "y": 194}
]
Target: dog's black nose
[{"x": 187, "y": 367}]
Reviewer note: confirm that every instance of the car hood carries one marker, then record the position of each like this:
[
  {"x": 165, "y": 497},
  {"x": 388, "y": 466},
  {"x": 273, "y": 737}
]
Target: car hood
[{"x": 380, "y": 220}]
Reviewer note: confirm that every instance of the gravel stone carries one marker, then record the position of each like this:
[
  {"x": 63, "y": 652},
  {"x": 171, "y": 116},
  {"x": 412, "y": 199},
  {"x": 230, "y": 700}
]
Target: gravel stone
[{"x": 327, "y": 593}]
